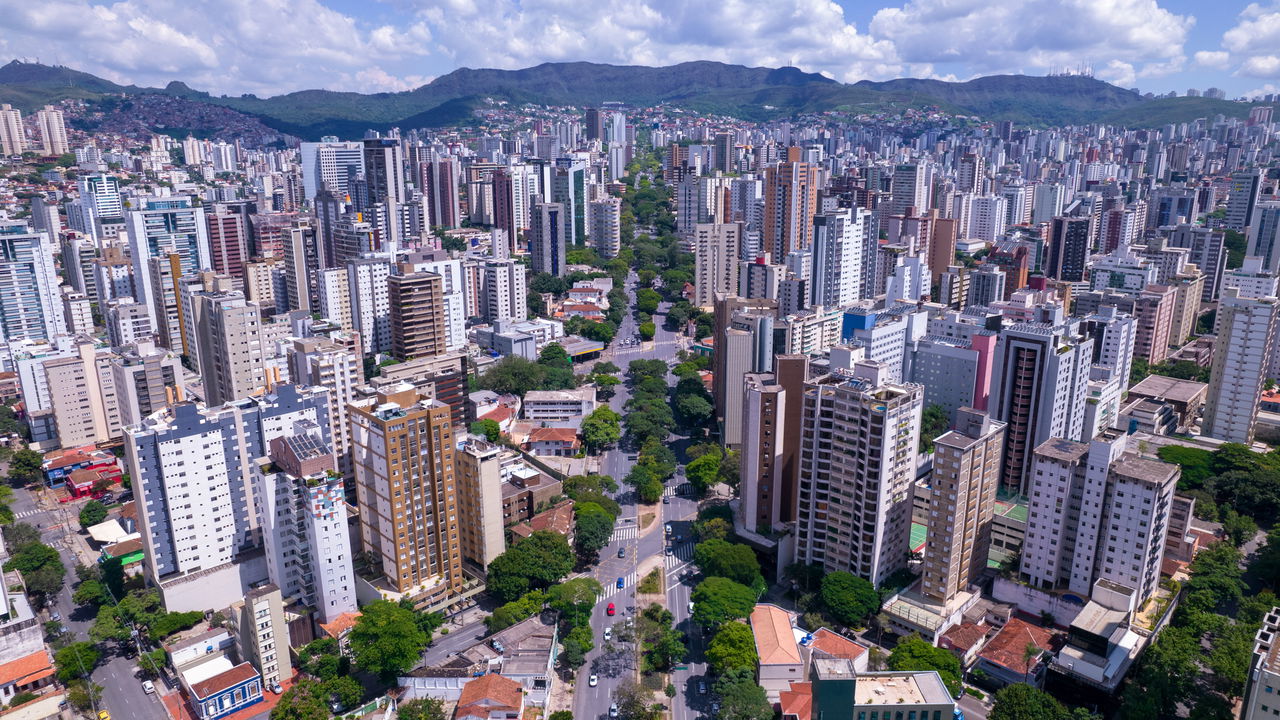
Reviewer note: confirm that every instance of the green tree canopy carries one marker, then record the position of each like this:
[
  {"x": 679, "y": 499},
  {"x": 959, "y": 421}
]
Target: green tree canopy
[
  {"x": 849, "y": 598},
  {"x": 304, "y": 701},
  {"x": 593, "y": 527},
  {"x": 423, "y": 709},
  {"x": 92, "y": 513},
  {"x": 741, "y": 697},
  {"x": 718, "y": 600},
  {"x": 386, "y": 639},
  {"x": 703, "y": 472},
  {"x": 720, "y": 558},
  {"x": 601, "y": 428},
  {"x": 535, "y": 562},
  {"x": 76, "y": 660},
  {"x": 913, "y": 653},
  {"x": 732, "y": 648},
  {"x": 1020, "y": 701},
  {"x": 489, "y": 429}
]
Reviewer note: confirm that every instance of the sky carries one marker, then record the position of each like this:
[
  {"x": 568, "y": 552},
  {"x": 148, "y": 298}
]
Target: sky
[{"x": 268, "y": 47}]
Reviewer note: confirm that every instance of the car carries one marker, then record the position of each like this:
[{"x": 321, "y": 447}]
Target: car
[
  {"x": 56, "y": 617},
  {"x": 667, "y": 528},
  {"x": 702, "y": 688},
  {"x": 608, "y": 634},
  {"x": 104, "y": 715},
  {"x": 622, "y": 552},
  {"x": 276, "y": 688},
  {"x": 669, "y": 550},
  {"x": 690, "y": 606},
  {"x": 610, "y": 610},
  {"x": 148, "y": 687},
  {"x": 621, "y": 582},
  {"x": 666, "y": 500},
  {"x": 613, "y": 710},
  {"x": 715, "y": 708},
  {"x": 593, "y": 681}
]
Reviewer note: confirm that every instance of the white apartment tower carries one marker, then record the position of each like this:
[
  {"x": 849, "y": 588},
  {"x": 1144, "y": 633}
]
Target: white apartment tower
[
  {"x": 839, "y": 251},
  {"x": 53, "y": 131},
  {"x": 858, "y": 454},
  {"x": 1247, "y": 329},
  {"x": 13, "y": 138}
]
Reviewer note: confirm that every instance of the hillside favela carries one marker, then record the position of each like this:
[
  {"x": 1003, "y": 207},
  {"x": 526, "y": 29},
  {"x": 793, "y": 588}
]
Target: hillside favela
[{"x": 521, "y": 360}]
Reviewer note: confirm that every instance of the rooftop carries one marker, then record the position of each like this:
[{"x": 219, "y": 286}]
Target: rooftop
[
  {"x": 26, "y": 669},
  {"x": 907, "y": 688},
  {"x": 1063, "y": 450},
  {"x": 775, "y": 643},
  {"x": 223, "y": 681},
  {"x": 492, "y": 692},
  {"x": 834, "y": 644},
  {"x": 1144, "y": 469},
  {"x": 1168, "y": 388},
  {"x": 1008, "y": 647}
]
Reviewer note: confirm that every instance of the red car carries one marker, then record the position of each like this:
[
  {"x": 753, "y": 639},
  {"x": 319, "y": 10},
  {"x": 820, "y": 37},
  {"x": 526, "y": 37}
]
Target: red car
[{"x": 609, "y": 610}]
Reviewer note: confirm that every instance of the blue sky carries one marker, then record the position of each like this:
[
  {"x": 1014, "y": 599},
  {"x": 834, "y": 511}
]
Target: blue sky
[{"x": 273, "y": 46}]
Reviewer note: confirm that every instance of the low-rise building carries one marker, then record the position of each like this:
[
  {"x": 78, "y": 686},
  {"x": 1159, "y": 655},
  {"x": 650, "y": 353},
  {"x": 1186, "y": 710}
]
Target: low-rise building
[
  {"x": 1007, "y": 657},
  {"x": 780, "y": 663},
  {"x": 559, "y": 405},
  {"x": 1262, "y": 694}
]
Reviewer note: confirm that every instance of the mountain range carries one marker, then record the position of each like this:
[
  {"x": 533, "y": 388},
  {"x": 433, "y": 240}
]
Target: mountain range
[{"x": 748, "y": 93}]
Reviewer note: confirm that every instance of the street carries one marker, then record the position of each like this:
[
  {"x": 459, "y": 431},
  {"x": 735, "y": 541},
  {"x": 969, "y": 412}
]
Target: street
[
  {"x": 122, "y": 691},
  {"x": 614, "y": 663}
]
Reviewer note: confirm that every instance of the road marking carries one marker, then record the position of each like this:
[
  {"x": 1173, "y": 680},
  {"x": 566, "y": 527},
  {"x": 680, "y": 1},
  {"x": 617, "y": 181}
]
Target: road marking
[
  {"x": 26, "y": 513},
  {"x": 680, "y": 556},
  {"x": 612, "y": 588},
  {"x": 626, "y": 532}
]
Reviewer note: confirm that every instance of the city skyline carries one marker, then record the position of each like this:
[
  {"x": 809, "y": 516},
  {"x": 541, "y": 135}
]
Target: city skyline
[{"x": 274, "y": 48}]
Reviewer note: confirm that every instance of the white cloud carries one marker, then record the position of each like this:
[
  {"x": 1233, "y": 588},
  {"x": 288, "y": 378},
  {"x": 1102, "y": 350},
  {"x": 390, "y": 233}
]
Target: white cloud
[
  {"x": 1216, "y": 59},
  {"x": 1122, "y": 39},
  {"x": 233, "y": 46},
  {"x": 1252, "y": 41}
]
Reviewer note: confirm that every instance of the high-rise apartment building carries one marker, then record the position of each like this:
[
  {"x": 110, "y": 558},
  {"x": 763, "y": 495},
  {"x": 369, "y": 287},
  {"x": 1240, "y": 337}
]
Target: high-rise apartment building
[
  {"x": 403, "y": 451},
  {"x": 1247, "y": 329},
  {"x": 302, "y": 259},
  {"x": 417, "y": 313},
  {"x": 605, "y": 231},
  {"x": 790, "y": 202},
  {"x": 223, "y": 334},
  {"x": 324, "y": 363},
  {"x": 910, "y": 189},
  {"x": 1264, "y": 235},
  {"x": 502, "y": 291},
  {"x": 839, "y": 250},
  {"x": 440, "y": 179},
  {"x": 228, "y": 241},
  {"x": 1264, "y": 670},
  {"x": 262, "y": 635},
  {"x": 858, "y": 453},
  {"x": 548, "y": 244},
  {"x": 367, "y": 290},
  {"x": 146, "y": 379},
  {"x": 384, "y": 170},
  {"x": 962, "y": 498},
  {"x": 1208, "y": 253},
  {"x": 1242, "y": 198},
  {"x": 747, "y": 339},
  {"x": 192, "y": 467},
  {"x": 716, "y": 247},
  {"x": 303, "y": 514},
  {"x": 480, "y": 516},
  {"x": 1039, "y": 384},
  {"x": 13, "y": 138},
  {"x": 166, "y": 227},
  {"x": 53, "y": 131},
  {"x": 453, "y": 292},
  {"x": 1070, "y": 243},
  {"x": 83, "y": 396},
  {"x": 30, "y": 307},
  {"x": 1096, "y": 512},
  {"x": 330, "y": 166},
  {"x": 760, "y": 458}
]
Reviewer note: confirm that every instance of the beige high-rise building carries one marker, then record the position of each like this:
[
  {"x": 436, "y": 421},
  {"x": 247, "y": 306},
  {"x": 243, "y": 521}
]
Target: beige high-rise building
[
  {"x": 262, "y": 281},
  {"x": 224, "y": 338},
  {"x": 146, "y": 379},
  {"x": 716, "y": 247},
  {"x": 966, "y": 473},
  {"x": 83, "y": 396},
  {"x": 402, "y": 446},
  {"x": 480, "y": 502},
  {"x": 335, "y": 297},
  {"x": 790, "y": 202},
  {"x": 262, "y": 633},
  {"x": 13, "y": 140},
  {"x": 417, "y": 314},
  {"x": 53, "y": 131}
]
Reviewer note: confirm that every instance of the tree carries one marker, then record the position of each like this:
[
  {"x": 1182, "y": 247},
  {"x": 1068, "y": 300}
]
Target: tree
[
  {"x": 1165, "y": 676},
  {"x": 92, "y": 513},
  {"x": 914, "y": 653},
  {"x": 649, "y": 491},
  {"x": 633, "y": 702},
  {"x": 577, "y": 643},
  {"x": 647, "y": 300},
  {"x": 601, "y": 428},
  {"x": 933, "y": 423},
  {"x": 647, "y": 330},
  {"x": 25, "y": 465},
  {"x": 425, "y": 709},
  {"x": 741, "y": 697},
  {"x": 490, "y": 429},
  {"x": 593, "y": 527},
  {"x": 83, "y": 694},
  {"x": 386, "y": 639},
  {"x": 732, "y": 648},
  {"x": 554, "y": 356},
  {"x": 90, "y": 592},
  {"x": 1024, "y": 702},
  {"x": 717, "y": 528},
  {"x": 718, "y": 600},
  {"x": 76, "y": 660},
  {"x": 849, "y": 598},
  {"x": 574, "y": 599},
  {"x": 346, "y": 689},
  {"x": 513, "y": 375},
  {"x": 719, "y": 558},
  {"x": 535, "y": 562},
  {"x": 304, "y": 701},
  {"x": 703, "y": 472},
  {"x": 559, "y": 715}
]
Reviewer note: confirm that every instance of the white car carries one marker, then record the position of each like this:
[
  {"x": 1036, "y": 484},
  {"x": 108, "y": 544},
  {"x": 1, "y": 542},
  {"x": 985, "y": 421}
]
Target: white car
[
  {"x": 608, "y": 634},
  {"x": 148, "y": 687},
  {"x": 593, "y": 681}
]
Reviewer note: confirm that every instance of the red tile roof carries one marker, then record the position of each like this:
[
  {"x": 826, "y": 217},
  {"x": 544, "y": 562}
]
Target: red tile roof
[
  {"x": 340, "y": 625},
  {"x": 1008, "y": 647},
  {"x": 553, "y": 434},
  {"x": 557, "y": 519},
  {"x": 775, "y": 641},
  {"x": 486, "y": 694},
  {"x": 964, "y": 636},
  {"x": 26, "y": 669},
  {"x": 798, "y": 701},
  {"x": 836, "y": 645},
  {"x": 236, "y": 675}
]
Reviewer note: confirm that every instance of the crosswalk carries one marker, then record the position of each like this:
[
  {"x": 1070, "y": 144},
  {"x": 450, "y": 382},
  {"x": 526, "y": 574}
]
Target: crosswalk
[
  {"x": 611, "y": 586},
  {"x": 681, "y": 555},
  {"x": 669, "y": 491},
  {"x": 26, "y": 514},
  {"x": 624, "y": 532}
]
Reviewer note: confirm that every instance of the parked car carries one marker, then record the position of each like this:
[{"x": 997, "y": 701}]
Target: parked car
[
  {"x": 613, "y": 710},
  {"x": 593, "y": 681},
  {"x": 148, "y": 687},
  {"x": 610, "y": 610},
  {"x": 702, "y": 688},
  {"x": 608, "y": 634}
]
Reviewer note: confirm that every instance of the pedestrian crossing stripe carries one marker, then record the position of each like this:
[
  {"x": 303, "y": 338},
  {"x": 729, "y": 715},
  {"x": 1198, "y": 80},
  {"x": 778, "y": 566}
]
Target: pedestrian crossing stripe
[
  {"x": 624, "y": 533},
  {"x": 612, "y": 588},
  {"x": 681, "y": 555},
  {"x": 27, "y": 513}
]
